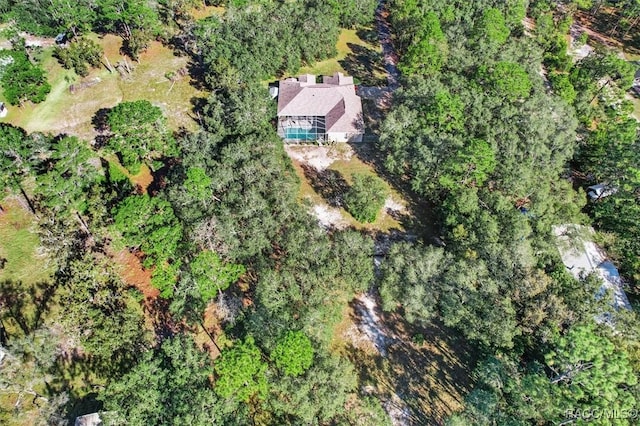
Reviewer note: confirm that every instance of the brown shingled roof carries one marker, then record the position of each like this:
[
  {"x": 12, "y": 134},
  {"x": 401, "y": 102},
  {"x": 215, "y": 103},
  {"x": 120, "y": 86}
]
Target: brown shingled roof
[{"x": 335, "y": 99}]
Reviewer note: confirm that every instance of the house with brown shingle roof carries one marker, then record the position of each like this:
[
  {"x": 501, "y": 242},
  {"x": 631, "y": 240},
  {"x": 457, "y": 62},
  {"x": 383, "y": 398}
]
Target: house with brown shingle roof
[{"x": 319, "y": 112}]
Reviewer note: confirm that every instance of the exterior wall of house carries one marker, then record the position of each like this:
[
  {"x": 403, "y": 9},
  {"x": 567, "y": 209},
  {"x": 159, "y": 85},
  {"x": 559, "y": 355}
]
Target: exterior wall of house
[{"x": 344, "y": 137}]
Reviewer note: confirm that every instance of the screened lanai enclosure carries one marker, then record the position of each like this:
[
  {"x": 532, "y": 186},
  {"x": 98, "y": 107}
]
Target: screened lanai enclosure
[{"x": 302, "y": 128}]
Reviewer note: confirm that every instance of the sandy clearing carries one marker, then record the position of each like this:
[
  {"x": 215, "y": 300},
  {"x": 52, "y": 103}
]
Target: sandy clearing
[
  {"x": 319, "y": 157},
  {"x": 329, "y": 217}
]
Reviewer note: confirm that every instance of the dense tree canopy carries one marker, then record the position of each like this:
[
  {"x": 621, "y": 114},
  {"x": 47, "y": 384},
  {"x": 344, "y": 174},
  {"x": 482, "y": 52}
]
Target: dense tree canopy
[
  {"x": 169, "y": 385},
  {"x": 139, "y": 134},
  {"x": 22, "y": 80},
  {"x": 583, "y": 377},
  {"x": 486, "y": 141},
  {"x": 256, "y": 322},
  {"x": 427, "y": 52},
  {"x": 252, "y": 44},
  {"x": 212, "y": 275}
]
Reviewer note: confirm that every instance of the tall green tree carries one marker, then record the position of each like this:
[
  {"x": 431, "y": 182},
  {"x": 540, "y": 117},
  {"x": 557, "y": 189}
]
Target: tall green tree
[
  {"x": 135, "y": 20},
  {"x": 21, "y": 80},
  {"x": 293, "y": 354},
  {"x": 19, "y": 157},
  {"x": 169, "y": 385},
  {"x": 365, "y": 197},
  {"x": 212, "y": 275},
  {"x": 240, "y": 372},
  {"x": 139, "y": 134},
  {"x": 101, "y": 314},
  {"x": 319, "y": 396},
  {"x": 428, "y": 51},
  {"x": 77, "y": 17},
  {"x": 150, "y": 225},
  {"x": 493, "y": 27},
  {"x": 583, "y": 375},
  {"x": 471, "y": 165},
  {"x": 507, "y": 79},
  {"x": 408, "y": 279},
  {"x": 74, "y": 171}
]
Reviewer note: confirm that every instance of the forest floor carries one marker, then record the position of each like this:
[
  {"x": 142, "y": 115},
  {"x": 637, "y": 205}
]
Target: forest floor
[
  {"x": 72, "y": 113},
  {"x": 604, "y": 28},
  {"x": 420, "y": 374}
]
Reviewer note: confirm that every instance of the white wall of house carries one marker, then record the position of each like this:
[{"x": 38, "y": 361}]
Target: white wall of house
[{"x": 344, "y": 137}]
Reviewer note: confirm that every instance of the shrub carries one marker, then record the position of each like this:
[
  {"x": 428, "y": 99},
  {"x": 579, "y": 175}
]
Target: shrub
[{"x": 366, "y": 197}]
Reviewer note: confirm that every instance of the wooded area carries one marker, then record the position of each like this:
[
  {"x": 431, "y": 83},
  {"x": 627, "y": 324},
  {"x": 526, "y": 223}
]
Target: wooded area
[{"x": 163, "y": 275}]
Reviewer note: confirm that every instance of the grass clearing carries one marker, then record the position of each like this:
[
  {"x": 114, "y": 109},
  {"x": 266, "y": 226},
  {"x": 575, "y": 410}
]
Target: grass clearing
[
  {"x": 203, "y": 12},
  {"x": 65, "y": 112},
  {"x": 19, "y": 245},
  {"x": 142, "y": 179}
]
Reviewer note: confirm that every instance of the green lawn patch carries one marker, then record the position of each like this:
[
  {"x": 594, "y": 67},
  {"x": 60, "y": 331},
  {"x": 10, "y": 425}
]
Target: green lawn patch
[
  {"x": 19, "y": 246},
  {"x": 66, "y": 112}
]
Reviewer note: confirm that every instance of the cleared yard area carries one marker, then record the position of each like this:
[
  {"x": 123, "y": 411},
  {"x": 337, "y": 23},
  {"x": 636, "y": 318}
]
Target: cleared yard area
[
  {"x": 325, "y": 173},
  {"x": 72, "y": 113}
]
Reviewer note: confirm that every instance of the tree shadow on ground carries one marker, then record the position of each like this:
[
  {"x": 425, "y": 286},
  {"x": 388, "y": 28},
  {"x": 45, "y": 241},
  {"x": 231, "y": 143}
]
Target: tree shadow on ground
[
  {"x": 327, "y": 183},
  {"x": 197, "y": 72},
  {"x": 198, "y": 110},
  {"x": 372, "y": 118},
  {"x": 74, "y": 374},
  {"x": 365, "y": 64},
  {"x": 160, "y": 175},
  {"x": 87, "y": 404},
  {"x": 431, "y": 375},
  {"x": 25, "y": 305},
  {"x": 101, "y": 125},
  {"x": 368, "y": 34}
]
